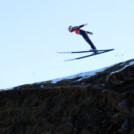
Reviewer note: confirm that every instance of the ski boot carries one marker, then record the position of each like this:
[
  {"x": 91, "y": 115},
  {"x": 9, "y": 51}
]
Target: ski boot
[{"x": 95, "y": 51}]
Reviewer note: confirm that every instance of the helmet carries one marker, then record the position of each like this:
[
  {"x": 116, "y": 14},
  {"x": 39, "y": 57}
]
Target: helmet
[{"x": 70, "y": 28}]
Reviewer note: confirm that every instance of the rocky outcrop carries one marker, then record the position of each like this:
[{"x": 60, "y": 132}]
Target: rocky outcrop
[{"x": 99, "y": 104}]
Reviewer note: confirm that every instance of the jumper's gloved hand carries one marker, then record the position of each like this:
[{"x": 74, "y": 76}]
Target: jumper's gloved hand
[
  {"x": 90, "y": 33},
  {"x": 85, "y": 24}
]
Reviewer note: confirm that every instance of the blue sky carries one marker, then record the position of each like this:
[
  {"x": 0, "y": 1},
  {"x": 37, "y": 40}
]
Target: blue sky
[{"x": 32, "y": 31}]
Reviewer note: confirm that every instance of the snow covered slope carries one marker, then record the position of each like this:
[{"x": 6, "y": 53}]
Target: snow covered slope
[
  {"x": 100, "y": 76},
  {"x": 106, "y": 72}
]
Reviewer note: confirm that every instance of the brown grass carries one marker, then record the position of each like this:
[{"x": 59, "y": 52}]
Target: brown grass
[{"x": 70, "y": 107}]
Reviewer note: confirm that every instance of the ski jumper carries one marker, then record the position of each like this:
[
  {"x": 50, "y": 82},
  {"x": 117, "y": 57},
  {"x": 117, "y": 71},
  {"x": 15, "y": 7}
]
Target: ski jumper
[{"x": 84, "y": 34}]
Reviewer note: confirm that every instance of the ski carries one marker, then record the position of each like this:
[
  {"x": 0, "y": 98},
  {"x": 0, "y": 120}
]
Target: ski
[
  {"x": 89, "y": 55},
  {"x": 85, "y": 51}
]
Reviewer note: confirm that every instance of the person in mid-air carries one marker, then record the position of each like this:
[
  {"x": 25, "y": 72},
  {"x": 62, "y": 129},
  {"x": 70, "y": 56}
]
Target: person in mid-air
[{"x": 84, "y": 34}]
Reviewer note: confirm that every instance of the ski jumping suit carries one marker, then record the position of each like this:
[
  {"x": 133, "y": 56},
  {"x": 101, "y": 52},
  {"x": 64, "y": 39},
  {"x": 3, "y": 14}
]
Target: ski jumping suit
[{"x": 84, "y": 34}]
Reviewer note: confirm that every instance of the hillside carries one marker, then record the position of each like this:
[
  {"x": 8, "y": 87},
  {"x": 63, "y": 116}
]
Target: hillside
[{"x": 97, "y": 102}]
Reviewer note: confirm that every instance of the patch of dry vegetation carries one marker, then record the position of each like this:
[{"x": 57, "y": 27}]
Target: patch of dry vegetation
[{"x": 93, "y": 105}]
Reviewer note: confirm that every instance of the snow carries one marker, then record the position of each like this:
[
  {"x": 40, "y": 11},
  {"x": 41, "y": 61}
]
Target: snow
[
  {"x": 11, "y": 88},
  {"x": 81, "y": 75},
  {"x": 131, "y": 63},
  {"x": 89, "y": 74}
]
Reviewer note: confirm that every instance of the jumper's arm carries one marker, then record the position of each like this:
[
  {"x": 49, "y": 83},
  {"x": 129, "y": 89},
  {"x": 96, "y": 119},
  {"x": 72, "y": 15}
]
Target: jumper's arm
[{"x": 77, "y": 27}]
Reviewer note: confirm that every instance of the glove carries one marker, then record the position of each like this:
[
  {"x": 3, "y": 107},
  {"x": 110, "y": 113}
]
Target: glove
[
  {"x": 85, "y": 24},
  {"x": 90, "y": 33}
]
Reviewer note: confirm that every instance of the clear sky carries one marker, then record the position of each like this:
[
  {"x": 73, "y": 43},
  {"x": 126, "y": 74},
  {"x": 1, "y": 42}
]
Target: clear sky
[{"x": 32, "y": 31}]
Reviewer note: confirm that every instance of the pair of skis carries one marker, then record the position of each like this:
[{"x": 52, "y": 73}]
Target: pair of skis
[{"x": 93, "y": 54}]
